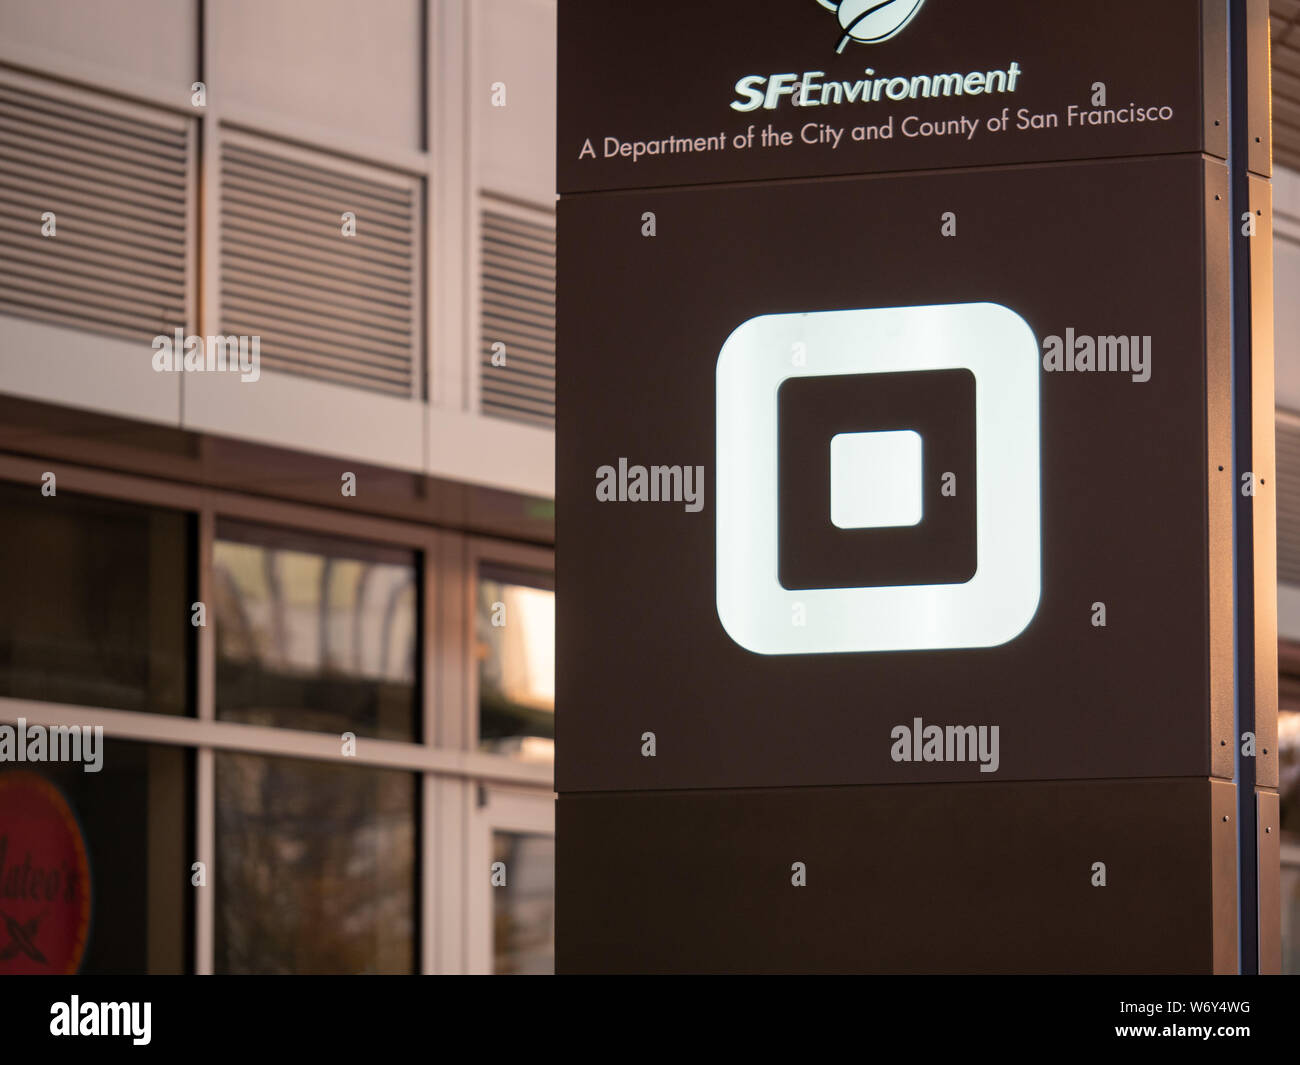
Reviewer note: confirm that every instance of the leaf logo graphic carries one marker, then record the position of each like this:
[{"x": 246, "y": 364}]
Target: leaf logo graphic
[{"x": 871, "y": 21}]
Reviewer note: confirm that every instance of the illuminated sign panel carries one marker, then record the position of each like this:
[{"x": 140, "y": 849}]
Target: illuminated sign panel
[
  {"x": 764, "y": 320},
  {"x": 998, "y": 348}
]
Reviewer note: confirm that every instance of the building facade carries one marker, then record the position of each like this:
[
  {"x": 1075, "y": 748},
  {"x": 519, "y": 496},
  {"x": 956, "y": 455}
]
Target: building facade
[{"x": 310, "y": 602}]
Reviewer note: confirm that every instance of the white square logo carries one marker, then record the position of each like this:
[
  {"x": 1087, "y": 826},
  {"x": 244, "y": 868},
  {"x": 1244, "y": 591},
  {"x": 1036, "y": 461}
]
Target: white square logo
[{"x": 876, "y": 480}]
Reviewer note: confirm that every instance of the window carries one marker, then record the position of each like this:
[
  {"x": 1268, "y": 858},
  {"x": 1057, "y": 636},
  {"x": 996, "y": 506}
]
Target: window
[
  {"x": 316, "y": 633},
  {"x": 313, "y": 860},
  {"x": 515, "y": 627},
  {"x": 315, "y": 867},
  {"x": 523, "y": 908},
  {"x": 95, "y": 867},
  {"x": 94, "y": 601}
]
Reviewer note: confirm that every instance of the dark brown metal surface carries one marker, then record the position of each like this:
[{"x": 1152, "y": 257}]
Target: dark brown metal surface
[
  {"x": 901, "y": 879},
  {"x": 650, "y": 71},
  {"x": 1128, "y": 515}
]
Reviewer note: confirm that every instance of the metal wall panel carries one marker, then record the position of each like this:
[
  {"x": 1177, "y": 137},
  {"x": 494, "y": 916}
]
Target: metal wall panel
[
  {"x": 925, "y": 878},
  {"x": 1122, "y": 463}
]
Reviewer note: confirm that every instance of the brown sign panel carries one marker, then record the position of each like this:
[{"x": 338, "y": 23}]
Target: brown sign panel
[
  {"x": 681, "y": 92},
  {"x": 845, "y": 641},
  {"x": 1068, "y": 877}
]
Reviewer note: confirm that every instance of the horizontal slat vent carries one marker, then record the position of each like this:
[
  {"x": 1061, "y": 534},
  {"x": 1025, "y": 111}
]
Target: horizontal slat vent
[
  {"x": 118, "y": 187},
  {"x": 518, "y": 301},
  {"x": 326, "y": 306},
  {"x": 1288, "y": 501}
]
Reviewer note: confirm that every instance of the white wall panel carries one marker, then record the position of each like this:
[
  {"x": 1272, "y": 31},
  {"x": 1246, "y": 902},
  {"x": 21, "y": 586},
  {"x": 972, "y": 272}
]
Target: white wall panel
[
  {"x": 492, "y": 452},
  {"x": 76, "y": 369},
  {"x": 349, "y": 68},
  {"x": 155, "y": 40},
  {"x": 514, "y": 43},
  {"x": 314, "y": 416}
]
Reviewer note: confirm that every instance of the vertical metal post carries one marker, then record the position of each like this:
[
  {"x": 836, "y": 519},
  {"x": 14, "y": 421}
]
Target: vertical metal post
[{"x": 1243, "y": 464}]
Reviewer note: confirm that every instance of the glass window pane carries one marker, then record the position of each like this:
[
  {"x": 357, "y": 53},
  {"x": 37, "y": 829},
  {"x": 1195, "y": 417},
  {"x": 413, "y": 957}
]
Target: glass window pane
[
  {"x": 1290, "y": 908},
  {"x": 515, "y": 626},
  {"x": 95, "y": 867},
  {"x": 315, "y": 867},
  {"x": 523, "y": 909},
  {"x": 316, "y": 633},
  {"x": 94, "y": 601}
]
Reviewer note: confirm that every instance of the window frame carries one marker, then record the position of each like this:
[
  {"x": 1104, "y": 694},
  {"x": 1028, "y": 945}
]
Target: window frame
[
  {"x": 496, "y": 809},
  {"x": 453, "y": 772},
  {"x": 483, "y": 551}
]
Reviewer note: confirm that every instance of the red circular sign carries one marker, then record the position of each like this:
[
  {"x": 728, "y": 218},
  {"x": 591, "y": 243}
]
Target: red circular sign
[{"x": 44, "y": 878}]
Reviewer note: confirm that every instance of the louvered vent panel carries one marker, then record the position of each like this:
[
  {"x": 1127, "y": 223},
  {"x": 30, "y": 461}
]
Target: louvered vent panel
[
  {"x": 1288, "y": 501},
  {"x": 518, "y": 300},
  {"x": 117, "y": 185},
  {"x": 326, "y": 306}
]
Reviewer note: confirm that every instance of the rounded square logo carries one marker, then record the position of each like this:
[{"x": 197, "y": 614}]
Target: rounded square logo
[{"x": 995, "y": 605}]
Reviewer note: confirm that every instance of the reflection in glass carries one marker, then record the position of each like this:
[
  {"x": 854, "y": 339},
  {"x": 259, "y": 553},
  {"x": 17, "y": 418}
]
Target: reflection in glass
[
  {"x": 315, "y": 867},
  {"x": 1288, "y": 743},
  {"x": 1290, "y": 907},
  {"x": 515, "y": 627},
  {"x": 111, "y": 851},
  {"x": 94, "y": 601},
  {"x": 316, "y": 633},
  {"x": 523, "y": 910}
]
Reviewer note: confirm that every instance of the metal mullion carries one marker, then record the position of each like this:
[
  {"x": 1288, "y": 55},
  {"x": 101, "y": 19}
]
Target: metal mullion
[
  {"x": 277, "y": 742},
  {"x": 203, "y": 294},
  {"x": 205, "y": 831},
  {"x": 430, "y": 681}
]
